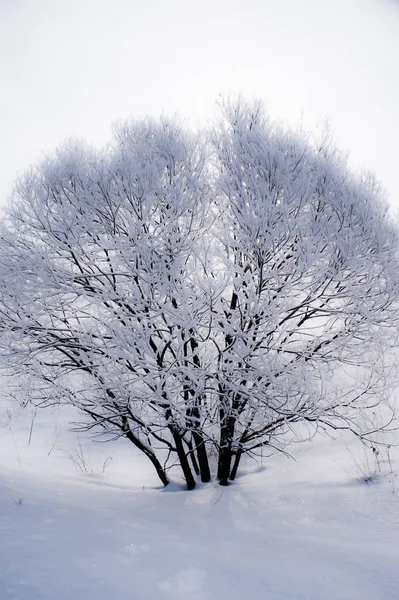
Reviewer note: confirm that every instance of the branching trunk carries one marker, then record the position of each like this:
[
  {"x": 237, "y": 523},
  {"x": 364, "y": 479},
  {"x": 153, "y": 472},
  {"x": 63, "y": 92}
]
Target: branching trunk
[{"x": 193, "y": 415}]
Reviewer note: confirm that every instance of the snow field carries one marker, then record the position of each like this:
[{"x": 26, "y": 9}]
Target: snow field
[{"x": 286, "y": 530}]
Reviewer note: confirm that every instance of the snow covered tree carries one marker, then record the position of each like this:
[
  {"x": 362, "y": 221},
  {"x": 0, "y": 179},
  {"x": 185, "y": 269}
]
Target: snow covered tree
[{"x": 202, "y": 295}]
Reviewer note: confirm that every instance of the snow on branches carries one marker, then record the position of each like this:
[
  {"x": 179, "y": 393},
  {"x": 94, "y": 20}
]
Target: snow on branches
[{"x": 202, "y": 295}]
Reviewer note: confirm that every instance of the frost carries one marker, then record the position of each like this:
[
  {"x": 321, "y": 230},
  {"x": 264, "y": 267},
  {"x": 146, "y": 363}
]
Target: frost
[{"x": 202, "y": 295}]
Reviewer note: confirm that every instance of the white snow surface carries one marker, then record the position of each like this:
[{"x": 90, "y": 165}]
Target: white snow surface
[{"x": 309, "y": 529}]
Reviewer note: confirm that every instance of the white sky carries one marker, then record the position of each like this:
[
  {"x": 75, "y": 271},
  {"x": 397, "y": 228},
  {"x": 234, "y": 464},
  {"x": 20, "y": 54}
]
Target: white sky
[{"x": 72, "y": 67}]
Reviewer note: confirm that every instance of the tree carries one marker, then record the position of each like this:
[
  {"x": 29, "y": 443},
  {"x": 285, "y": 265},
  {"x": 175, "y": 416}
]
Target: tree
[{"x": 202, "y": 295}]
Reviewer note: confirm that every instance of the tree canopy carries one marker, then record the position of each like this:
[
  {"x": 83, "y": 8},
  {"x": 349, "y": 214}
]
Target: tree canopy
[{"x": 202, "y": 294}]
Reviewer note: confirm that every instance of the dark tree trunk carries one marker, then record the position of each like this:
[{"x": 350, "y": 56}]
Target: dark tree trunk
[
  {"x": 151, "y": 455},
  {"x": 236, "y": 464},
  {"x": 181, "y": 453},
  {"x": 202, "y": 457},
  {"x": 193, "y": 415},
  {"x": 193, "y": 458},
  {"x": 225, "y": 450},
  {"x": 224, "y": 465},
  {"x": 158, "y": 467}
]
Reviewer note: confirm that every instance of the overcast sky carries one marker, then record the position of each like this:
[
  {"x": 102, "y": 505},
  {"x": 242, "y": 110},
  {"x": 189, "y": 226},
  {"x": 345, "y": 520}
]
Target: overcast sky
[{"x": 72, "y": 67}]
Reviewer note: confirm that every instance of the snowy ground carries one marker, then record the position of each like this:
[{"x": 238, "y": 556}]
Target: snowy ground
[{"x": 305, "y": 530}]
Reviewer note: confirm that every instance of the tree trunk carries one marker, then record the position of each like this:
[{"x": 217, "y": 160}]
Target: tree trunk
[
  {"x": 159, "y": 469},
  {"x": 225, "y": 450},
  {"x": 236, "y": 464},
  {"x": 224, "y": 465},
  {"x": 193, "y": 457},
  {"x": 202, "y": 457},
  {"x": 151, "y": 455},
  {"x": 188, "y": 476},
  {"x": 194, "y": 418}
]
